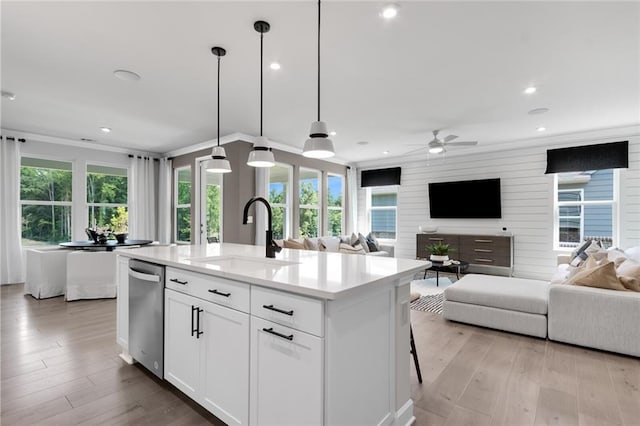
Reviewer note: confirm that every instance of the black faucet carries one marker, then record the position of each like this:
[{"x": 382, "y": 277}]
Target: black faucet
[{"x": 272, "y": 248}]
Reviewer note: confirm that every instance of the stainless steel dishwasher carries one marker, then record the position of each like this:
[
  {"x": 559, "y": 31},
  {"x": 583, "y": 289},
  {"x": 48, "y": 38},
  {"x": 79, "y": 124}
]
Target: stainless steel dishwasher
[{"x": 146, "y": 315}]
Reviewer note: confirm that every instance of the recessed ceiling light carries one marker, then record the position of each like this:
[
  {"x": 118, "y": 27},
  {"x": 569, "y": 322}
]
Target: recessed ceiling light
[
  {"x": 274, "y": 66},
  {"x": 9, "y": 95},
  {"x": 363, "y": 143},
  {"x": 126, "y": 75},
  {"x": 530, "y": 90},
  {"x": 541, "y": 129},
  {"x": 385, "y": 152},
  {"x": 105, "y": 129},
  {"x": 389, "y": 11},
  {"x": 537, "y": 111},
  {"x": 333, "y": 133}
]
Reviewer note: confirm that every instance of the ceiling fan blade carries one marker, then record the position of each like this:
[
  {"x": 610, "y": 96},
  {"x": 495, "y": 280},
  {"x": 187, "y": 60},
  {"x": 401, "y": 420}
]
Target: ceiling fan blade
[
  {"x": 450, "y": 138},
  {"x": 463, "y": 143},
  {"x": 416, "y": 144},
  {"x": 415, "y": 151}
]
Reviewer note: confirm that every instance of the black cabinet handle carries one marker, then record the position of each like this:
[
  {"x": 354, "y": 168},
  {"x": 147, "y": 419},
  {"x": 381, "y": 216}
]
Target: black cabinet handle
[
  {"x": 193, "y": 330},
  {"x": 219, "y": 293},
  {"x": 270, "y": 331},
  {"x": 198, "y": 332},
  {"x": 175, "y": 280},
  {"x": 272, "y": 308}
]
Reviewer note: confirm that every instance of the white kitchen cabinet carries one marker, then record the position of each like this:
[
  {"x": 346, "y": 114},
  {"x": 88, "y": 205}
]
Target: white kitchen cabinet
[
  {"x": 286, "y": 375},
  {"x": 122, "y": 307},
  {"x": 207, "y": 355},
  {"x": 181, "y": 345}
]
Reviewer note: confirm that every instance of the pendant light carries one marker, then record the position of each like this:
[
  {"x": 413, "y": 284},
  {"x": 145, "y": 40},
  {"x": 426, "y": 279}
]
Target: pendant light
[
  {"x": 218, "y": 162},
  {"x": 318, "y": 145},
  {"x": 261, "y": 155}
]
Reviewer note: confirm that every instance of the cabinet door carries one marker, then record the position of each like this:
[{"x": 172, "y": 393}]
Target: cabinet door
[
  {"x": 181, "y": 349},
  {"x": 225, "y": 363},
  {"x": 122, "y": 303},
  {"x": 286, "y": 375}
]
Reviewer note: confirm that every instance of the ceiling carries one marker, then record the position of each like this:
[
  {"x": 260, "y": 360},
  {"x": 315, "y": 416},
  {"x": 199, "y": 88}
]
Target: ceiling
[{"x": 456, "y": 66}]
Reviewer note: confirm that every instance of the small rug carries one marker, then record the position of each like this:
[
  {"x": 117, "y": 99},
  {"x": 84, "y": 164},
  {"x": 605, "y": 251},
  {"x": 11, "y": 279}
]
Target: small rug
[
  {"x": 431, "y": 303},
  {"x": 428, "y": 286}
]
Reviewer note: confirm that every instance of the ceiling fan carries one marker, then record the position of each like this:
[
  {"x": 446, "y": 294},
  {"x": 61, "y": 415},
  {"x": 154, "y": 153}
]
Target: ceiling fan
[{"x": 437, "y": 146}]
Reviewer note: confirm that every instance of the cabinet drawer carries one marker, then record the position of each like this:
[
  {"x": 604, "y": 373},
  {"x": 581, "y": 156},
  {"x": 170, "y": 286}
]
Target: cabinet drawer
[
  {"x": 489, "y": 260},
  {"x": 299, "y": 312},
  {"x": 485, "y": 241},
  {"x": 424, "y": 240},
  {"x": 233, "y": 294}
]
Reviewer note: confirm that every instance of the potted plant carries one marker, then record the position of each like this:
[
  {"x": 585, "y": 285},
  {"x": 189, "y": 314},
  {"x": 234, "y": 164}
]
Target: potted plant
[{"x": 439, "y": 252}]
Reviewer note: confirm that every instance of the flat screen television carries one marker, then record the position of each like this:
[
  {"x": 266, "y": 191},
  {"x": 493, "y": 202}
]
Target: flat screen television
[{"x": 469, "y": 199}]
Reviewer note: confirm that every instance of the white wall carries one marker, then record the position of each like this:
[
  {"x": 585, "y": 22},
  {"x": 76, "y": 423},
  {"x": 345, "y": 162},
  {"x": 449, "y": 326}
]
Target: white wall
[{"x": 527, "y": 196}]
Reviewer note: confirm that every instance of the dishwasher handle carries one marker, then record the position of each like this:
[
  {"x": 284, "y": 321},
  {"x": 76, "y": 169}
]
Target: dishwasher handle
[{"x": 144, "y": 277}]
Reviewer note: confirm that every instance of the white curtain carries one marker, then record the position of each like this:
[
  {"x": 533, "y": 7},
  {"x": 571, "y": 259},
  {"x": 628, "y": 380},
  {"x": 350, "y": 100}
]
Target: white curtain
[
  {"x": 262, "y": 190},
  {"x": 11, "y": 270},
  {"x": 164, "y": 200},
  {"x": 142, "y": 206},
  {"x": 352, "y": 207}
]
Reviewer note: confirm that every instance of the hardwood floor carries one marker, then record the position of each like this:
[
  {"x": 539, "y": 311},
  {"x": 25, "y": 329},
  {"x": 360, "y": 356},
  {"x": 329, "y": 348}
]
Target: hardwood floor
[{"x": 60, "y": 366}]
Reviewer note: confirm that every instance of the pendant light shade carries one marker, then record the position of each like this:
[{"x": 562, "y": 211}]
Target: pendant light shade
[
  {"x": 261, "y": 155},
  {"x": 218, "y": 162},
  {"x": 318, "y": 145}
]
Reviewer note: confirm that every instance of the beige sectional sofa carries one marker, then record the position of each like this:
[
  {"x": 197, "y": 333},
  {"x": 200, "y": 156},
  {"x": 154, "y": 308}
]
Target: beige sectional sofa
[
  {"x": 332, "y": 244},
  {"x": 581, "y": 315}
]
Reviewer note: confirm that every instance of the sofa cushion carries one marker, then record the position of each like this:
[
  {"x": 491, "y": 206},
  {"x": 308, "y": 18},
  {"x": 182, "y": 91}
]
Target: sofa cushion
[
  {"x": 310, "y": 243},
  {"x": 293, "y": 244},
  {"x": 600, "y": 276},
  {"x": 516, "y": 294},
  {"x": 346, "y": 248},
  {"x": 363, "y": 243},
  {"x": 379, "y": 253}
]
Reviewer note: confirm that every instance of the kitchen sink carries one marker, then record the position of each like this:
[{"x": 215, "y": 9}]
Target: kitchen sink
[{"x": 242, "y": 262}]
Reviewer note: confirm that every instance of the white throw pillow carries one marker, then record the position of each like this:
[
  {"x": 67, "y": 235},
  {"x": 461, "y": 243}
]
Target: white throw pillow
[
  {"x": 633, "y": 253},
  {"x": 331, "y": 244}
]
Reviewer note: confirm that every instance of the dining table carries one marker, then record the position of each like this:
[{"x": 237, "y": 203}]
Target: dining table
[{"x": 109, "y": 245}]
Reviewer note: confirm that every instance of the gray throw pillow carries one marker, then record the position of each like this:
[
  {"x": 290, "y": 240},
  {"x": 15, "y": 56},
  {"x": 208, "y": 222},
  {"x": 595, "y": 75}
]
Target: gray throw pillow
[
  {"x": 373, "y": 243},
  {"x": 363, "y": 242}
]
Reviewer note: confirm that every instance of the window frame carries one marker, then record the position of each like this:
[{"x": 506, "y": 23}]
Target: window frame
[
  {"x": 387, "y": 189},
  {"x": 317, "y": 207},
  {"x": 177, "y": 206},
  {"x": 341, "y": 208},
  {"x": 45, "y": 202},
  {"x": 614, "y": 203},
  {"x": 288, "y": 206},
  {"x": 88, "y": 205},
  {"x": 202, "y": 185}
]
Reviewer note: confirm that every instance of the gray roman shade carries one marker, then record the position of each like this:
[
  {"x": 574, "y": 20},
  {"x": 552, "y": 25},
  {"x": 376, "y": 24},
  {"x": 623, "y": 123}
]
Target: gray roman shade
[
  {"x": 614, "y": 155},
  {"x": 380, "y": 177}
]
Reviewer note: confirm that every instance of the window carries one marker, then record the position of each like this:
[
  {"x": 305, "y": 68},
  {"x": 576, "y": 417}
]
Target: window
[
  {"x": 213, "y": 205},
  {"x": 383, "y": 203},
  {"x": 309, "y": 196},
  {"x": 279, "y": 198},
  {"x": 45, "y": 200},
  {"x": 107, "y": 197},
  {"x": 585, "y": 205},
  {"x": 183, "y": 204},
  {"x": 335, "y": 204}
]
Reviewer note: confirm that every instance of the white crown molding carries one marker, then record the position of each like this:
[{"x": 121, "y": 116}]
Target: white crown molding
[
  {"x": 567, "y": 139},
  {"x": 72, "y": 142}
]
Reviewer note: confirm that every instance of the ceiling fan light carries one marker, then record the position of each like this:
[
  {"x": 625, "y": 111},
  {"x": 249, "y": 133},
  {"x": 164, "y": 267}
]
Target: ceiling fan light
[
  {"x": 436, "y": 150},
  {"x": 318, "y": 147}
]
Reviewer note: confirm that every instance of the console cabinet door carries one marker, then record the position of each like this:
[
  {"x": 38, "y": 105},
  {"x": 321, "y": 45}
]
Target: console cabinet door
[
  {"x": 181, "y": 348},
  {"x": 225, "y": 363},
  {"x": 286, "y": 375},
  {"x": 122, "y": 303}
]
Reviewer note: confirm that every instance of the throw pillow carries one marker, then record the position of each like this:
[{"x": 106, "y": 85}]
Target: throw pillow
[
  {"x": 633, "y": 253},
  {"x": 372, "y": 240},
  {"x": 346, "y": 248},
  {"x": 630, "y": 283},
  {"x": 331, "y": 244},
  {"x": 629, "y": 268},
  {"x": 293, "y": 244},
  {"x": 602, "y": 276},
  {"x": 310, "y": 244},
  {"x": 353, "y": 240},
  {"x": 363, "y": 243},
  {"x": 581, "y": 254}
]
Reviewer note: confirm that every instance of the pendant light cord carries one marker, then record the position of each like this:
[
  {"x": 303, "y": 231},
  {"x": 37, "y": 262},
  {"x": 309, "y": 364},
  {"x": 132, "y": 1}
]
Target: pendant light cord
[
  {"x": 318, "y": 60},
  {"x": 261, "y": 37},
  {"x": 218, "y": 100}
]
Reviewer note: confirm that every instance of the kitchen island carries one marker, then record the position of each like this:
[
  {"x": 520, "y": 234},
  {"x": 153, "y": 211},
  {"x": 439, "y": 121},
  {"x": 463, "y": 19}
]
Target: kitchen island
[{"x": 306, "y": 338}]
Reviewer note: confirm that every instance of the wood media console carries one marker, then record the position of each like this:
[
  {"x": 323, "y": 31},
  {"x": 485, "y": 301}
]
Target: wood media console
[{"x": 485, "y": 253}]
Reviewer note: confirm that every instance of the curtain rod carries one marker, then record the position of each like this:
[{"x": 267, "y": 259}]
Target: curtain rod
[
  {"x": 11, "y": 138},
  {"x": 146, "y": 158}
]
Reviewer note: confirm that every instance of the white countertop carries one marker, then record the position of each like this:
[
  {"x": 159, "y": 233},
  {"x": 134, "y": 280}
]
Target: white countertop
[{"x": 311, "y": 273}]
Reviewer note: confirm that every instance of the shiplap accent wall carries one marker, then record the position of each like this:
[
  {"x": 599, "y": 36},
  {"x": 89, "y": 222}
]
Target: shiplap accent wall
[{"x": 527, "y": 199}]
